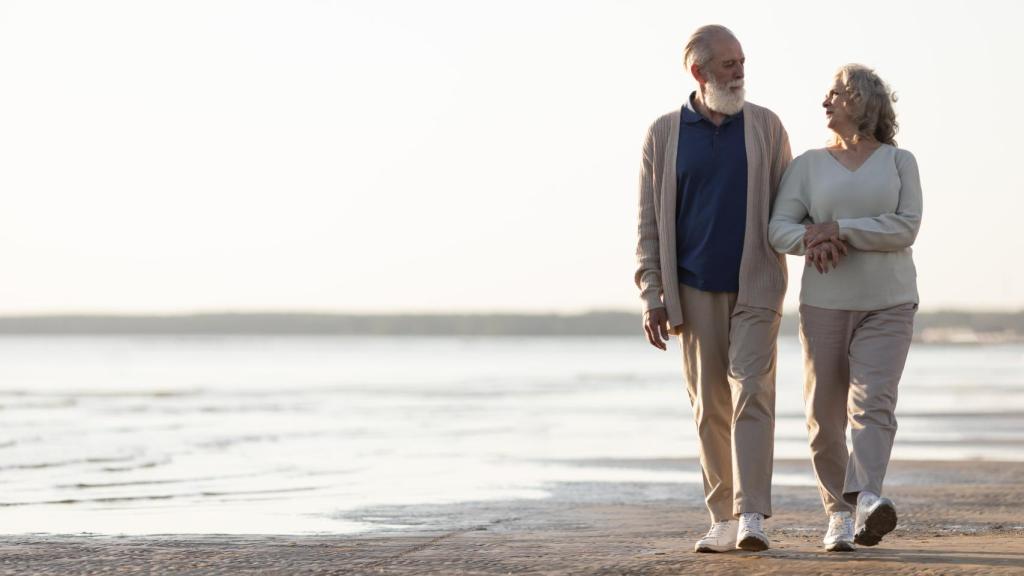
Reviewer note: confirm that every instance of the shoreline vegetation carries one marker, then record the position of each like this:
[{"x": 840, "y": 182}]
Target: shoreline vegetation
[{"x": 940, "y": 327}]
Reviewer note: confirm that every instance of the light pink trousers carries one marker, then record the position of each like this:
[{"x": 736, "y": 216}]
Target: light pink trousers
[
  {"x": 729, "y": 361},
  {"x": 853, "y": 362}
]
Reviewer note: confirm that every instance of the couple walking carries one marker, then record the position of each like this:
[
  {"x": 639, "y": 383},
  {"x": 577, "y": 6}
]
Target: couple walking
[{"x": 721, "y": 204}]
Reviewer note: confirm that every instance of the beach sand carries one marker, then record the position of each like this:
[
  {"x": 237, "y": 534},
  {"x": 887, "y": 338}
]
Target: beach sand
[{"x": 955, "y": 518}]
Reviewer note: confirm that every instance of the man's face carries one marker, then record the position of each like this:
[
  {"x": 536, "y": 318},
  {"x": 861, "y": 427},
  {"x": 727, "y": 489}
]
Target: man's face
[
  {"x": 727, "y": 61},
  {"x": 721, "y": 79}
]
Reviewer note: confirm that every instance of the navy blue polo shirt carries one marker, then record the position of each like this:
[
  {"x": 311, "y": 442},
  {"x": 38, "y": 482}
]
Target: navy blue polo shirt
[{"x": 711, "y": 206}]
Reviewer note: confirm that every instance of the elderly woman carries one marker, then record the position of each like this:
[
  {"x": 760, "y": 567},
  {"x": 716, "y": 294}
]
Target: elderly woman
[{"x": 853, "y": 210}]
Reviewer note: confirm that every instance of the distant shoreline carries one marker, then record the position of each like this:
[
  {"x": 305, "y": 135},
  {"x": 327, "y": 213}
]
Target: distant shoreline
[{"x": 933, "y": 327}]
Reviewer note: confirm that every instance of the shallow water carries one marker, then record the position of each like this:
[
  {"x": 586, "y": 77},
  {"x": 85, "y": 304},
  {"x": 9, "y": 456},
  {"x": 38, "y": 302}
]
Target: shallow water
[{"x": 290, "y": 435}]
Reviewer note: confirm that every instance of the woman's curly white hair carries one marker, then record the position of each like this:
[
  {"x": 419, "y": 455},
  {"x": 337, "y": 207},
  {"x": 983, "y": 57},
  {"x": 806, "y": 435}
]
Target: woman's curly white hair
[{"x": 873, "y": 100}]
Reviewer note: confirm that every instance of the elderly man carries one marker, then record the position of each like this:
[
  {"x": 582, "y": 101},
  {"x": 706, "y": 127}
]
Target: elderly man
[{"x": 708, "y": 274}]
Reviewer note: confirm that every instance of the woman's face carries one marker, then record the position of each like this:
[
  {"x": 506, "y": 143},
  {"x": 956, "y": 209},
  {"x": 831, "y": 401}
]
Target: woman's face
[{"x": 838, "y": 108}]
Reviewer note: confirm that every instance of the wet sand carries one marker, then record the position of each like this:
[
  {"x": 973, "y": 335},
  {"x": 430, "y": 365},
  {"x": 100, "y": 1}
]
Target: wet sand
[{"x": 955, "y": 518}]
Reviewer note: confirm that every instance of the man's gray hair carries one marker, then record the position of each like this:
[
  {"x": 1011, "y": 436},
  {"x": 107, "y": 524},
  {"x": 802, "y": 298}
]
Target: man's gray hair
[{"x": 698, "y": 47}]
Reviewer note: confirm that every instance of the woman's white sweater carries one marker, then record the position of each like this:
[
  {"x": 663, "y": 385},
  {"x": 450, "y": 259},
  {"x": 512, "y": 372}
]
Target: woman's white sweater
[{"x": 878, "y": 208}]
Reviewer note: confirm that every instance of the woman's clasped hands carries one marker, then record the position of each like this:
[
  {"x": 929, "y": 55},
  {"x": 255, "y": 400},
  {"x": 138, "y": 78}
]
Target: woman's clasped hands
[{"x": 823, "y": 246}]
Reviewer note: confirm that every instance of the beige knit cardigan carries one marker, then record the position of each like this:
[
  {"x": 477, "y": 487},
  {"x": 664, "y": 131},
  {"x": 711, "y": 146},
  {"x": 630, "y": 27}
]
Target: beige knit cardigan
[{"x": 762, "y": 270}]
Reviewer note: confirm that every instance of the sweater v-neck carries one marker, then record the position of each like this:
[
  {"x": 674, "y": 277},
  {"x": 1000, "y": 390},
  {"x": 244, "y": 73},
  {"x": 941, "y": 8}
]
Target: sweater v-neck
[{"x": 861, "y": 165}]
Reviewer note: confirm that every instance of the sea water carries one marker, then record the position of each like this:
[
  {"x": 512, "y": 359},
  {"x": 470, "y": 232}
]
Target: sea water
[{"x": 152, "y": 435}]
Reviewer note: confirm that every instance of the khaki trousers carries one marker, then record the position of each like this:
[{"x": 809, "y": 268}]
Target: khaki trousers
[
  {"x": 729, "y": 361},
  {"x": 853, "y": 362}
]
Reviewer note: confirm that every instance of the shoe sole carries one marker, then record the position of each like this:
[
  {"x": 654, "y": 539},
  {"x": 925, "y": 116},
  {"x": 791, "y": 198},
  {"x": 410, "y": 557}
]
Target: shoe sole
[
  {"x": 840, "y": 547},
  {"x": 710, "y": 550},
  {"x": 879, "y": 523},
  {"x": 752, "y": 544}
]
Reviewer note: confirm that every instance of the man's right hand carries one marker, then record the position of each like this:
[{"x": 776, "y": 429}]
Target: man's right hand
[{"x": 656, "y": 327}]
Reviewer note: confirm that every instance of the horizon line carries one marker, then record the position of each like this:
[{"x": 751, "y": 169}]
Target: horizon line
[{"x": 299, "y": 312}]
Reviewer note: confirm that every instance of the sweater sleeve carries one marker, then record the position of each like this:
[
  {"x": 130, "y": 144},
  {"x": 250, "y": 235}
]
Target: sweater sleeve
[
  {"x": 648, "y": 270},
  {"x": 893, "y": 231},
  {"x": 786, "y": 229}
]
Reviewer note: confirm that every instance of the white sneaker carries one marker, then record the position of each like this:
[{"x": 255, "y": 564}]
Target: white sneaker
[
  {"x": 876, "y": 517},
  {"x": 750, "y": 536},
  {"x": 720, "y": 538},
  {"x": 839, "y": 537}
]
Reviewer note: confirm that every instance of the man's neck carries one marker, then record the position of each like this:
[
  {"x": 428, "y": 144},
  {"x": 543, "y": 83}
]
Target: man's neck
[{"x": 715, "y": 118}]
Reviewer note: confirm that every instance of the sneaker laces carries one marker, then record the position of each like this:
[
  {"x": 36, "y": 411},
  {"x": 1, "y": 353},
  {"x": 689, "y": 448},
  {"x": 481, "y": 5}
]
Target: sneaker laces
[
  {"x": 840, "y": 525},
  {"x": 718, "y": 529},
  {"x": 837, "y": 522},
  {"x": 753, "y": 522}
]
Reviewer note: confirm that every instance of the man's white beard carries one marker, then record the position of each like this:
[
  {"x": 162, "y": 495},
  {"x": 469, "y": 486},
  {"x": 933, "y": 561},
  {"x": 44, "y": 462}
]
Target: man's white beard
[{"x": 721, "y": 99}]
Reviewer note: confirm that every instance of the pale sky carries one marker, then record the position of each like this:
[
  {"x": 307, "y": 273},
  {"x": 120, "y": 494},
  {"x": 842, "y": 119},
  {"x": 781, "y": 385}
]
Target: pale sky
[{"x": 438, "y": 156}]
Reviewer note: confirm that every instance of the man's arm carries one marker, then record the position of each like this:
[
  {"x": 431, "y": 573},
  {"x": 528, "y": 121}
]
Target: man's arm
[
  {"x": 648, "y": 271},
  {"x": 780, "y": 161},
  {"x": 648, "y": 254}
]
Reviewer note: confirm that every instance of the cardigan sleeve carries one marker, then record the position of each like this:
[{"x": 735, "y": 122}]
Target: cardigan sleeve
[
  {"x": 648, "y": 269},
  {"x": 783, "y": 156},
  {"x": 893, "y": 231},
  {"x": 786, "y": 229}
]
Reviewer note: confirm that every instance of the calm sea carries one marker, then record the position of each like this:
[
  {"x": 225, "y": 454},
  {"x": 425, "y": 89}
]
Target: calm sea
[{"x": 289, "y": 435}]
